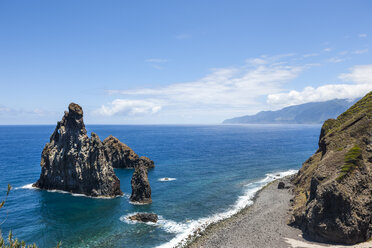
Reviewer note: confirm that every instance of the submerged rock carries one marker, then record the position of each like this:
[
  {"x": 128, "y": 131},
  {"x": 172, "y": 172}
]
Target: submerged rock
[
  {"x": 141, "y": 190},
  {"x": 73, "y": 162},
  {"x": 333, "y": 189},
  {"x": 144, "y": 217},
  {"x": 122, "y": 156}
]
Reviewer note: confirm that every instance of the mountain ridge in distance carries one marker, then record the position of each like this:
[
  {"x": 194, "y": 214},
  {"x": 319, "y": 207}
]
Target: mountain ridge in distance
[{"x": 307, "y": 113}]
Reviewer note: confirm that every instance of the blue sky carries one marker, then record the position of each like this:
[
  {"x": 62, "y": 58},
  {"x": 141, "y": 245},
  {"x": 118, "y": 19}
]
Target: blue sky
[{"x": 192, "y": 62}]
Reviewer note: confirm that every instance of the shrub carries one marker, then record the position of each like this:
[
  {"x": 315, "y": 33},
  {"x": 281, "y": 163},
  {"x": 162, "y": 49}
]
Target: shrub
[{"x": 351, "y": 160}]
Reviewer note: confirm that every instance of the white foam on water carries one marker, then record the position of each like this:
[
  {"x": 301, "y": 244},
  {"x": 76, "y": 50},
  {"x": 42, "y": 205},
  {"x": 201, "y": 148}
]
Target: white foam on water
[
  {"x": 27, "y": 186},
  {"x": 168, "y": 225},
  {"x": 166, "y": 179},
  {"x": 194, "y": 227}
]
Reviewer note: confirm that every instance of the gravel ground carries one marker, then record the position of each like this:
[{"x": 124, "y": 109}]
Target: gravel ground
[{"x": 264, "y": 224}]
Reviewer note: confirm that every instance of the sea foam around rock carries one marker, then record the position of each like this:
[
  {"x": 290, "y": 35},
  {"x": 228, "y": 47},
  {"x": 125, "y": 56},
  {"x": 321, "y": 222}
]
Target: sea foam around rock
[{"x": 194, "y": 227}]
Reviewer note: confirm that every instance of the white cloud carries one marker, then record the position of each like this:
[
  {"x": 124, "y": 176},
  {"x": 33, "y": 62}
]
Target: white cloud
[
  {"x": 156, "y": 60},
  {"x": 361, "y": 51},
  {"x": 319, "y": 94},
  {"x": 231, "y": 87},
  {"x": 362, "y": 35},
  {"x": 4, "y": 109},
  {"x": 224, "y": 92},
  {"x": 361, "y": 76},
  {"x": 335, "y": 60},
  {"x": 128, "y": 107},
  {"x": 327, "y": 49},
  {"x": 311, "y": 55}
]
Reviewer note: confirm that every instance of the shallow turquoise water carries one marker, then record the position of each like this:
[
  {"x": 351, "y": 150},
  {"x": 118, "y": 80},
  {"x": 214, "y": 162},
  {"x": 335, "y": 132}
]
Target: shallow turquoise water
[{"x": 217, "y": 169}]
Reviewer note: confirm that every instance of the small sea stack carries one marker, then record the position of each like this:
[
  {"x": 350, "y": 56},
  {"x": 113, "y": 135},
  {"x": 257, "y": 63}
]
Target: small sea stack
[
  {"x": 141, "y": 190},
  {"x": 75, "y": 163},
  {"x": 144, "y": 217}
]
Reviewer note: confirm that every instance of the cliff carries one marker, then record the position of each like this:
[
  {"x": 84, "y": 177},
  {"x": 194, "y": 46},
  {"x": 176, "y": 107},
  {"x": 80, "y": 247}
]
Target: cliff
[
  {"x": 73, "y": 162},
  {"x": 333, "y": 189}
]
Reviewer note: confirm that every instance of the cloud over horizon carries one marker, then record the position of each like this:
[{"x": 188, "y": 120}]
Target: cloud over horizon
[
  {"x": 128, "y": 107},
  {"x": 223, "y": 89},
  {"x": 258, "y": 84},
  {"x": 360, "y": 77}
]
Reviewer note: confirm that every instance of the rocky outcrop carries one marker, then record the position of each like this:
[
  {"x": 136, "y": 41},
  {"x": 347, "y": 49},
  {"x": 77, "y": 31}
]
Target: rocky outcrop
[
  {"x": 141, "y": 190},
  {"x": 333, "y": 189},
  {"x": 73, "y": 162},
  {"x": 281, "y": 185},
  {"x": 122, "y": 156},
  {"x": 144, "y": 217}
]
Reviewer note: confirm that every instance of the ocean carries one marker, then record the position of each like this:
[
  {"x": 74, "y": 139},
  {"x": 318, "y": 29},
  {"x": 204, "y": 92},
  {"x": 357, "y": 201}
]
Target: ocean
[{"x": 215, "y": 170}]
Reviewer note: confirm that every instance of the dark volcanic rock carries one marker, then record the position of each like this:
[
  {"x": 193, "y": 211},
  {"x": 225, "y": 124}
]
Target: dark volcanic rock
[
  {"x": 141, "y": 190},
  {"x": 333, "y": 189},
  {"x": 73, "y": 162},
  {"x": 122, "y": 156},
  {"x": 281, "y": 185},
  {"x": 148, "y": 163},
  {"x": 144, "y": 217}
]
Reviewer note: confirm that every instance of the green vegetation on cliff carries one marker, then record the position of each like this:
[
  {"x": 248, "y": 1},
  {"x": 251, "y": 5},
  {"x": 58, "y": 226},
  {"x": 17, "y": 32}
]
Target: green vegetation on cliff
[
  {"x": 352, "y": 158},
  {"x": 333, "y": 188},
  {"x": 360, "y": 109}
]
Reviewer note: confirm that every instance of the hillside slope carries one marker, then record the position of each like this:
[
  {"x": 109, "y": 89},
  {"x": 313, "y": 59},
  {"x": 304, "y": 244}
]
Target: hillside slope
[
  {"x": 333, "y": 189},
  {"x": 308, "y": 113}
]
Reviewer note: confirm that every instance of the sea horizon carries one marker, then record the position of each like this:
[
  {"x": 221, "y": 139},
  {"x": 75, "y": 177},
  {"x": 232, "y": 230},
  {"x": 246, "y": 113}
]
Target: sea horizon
[{"x": 208, "y": 185}]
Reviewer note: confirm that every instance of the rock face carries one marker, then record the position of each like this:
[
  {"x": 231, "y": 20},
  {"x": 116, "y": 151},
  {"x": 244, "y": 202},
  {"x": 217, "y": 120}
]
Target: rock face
[
  {"x": 144, "y": 217},
  {"x": 333, "y": 189},
  {"x": 73, "y": 162},
  {"x": 122, "y": 156},
  {"x": 141, "y": 191}
]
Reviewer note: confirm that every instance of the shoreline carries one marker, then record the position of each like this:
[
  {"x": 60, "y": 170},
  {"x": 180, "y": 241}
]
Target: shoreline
[{"x": 262, "y": 224}]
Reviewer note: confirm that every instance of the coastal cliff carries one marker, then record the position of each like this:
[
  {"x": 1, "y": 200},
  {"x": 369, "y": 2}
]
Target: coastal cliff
[
  {"x": 73, "y": 162},
  {"x": 333, "y": 189}
]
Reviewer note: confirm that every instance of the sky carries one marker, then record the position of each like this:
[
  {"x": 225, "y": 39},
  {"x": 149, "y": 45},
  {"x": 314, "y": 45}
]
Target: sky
[{"x": 178, "y": 62}]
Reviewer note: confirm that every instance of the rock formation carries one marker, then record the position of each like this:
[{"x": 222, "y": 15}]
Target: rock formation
[
  {"x": 333, "y": 189},
  {"x": 141, "y": 191},
  {"x": 281, "y": 185},
  {"x": 144, "y": 217},
  {"x": 122, "y": 156},
  {"x": 73, "y": 162}
]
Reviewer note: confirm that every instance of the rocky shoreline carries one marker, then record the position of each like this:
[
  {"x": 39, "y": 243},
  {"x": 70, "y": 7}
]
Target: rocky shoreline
[{"x": 263, "y": 224}]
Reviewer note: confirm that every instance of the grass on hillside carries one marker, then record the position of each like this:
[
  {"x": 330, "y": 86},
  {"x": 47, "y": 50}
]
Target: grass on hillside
[{"x": 351, "y": 160}]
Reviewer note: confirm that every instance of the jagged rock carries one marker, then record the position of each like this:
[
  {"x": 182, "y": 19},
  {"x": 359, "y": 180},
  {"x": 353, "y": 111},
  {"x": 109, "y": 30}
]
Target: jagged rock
[
  {"x": 122, "y": 156},
  {"x": 141, "y": 190},
  {"x": 281, "y": 185},
  {"x": 72, "y": 162},
  {"x": 144, "y": 217},
  {"x": 333, "y": 189},
  {"x": 148, "y": 163}
]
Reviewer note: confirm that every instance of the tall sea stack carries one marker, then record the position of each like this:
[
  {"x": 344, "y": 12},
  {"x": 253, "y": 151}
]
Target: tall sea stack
[
  {"x": 141, "y": 190},
  {"x": 73, "y": 162},
  {"x": 333, "y": 189}
]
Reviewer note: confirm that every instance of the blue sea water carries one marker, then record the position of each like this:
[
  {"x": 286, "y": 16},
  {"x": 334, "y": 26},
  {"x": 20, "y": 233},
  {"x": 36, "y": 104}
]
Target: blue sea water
[{"x": 217, "y": 169}]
